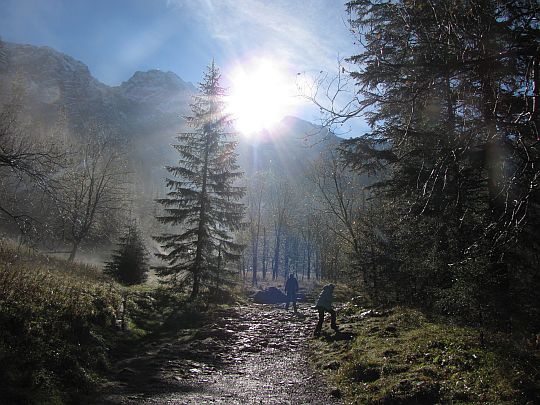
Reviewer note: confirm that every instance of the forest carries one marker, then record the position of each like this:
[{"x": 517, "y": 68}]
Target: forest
[{"x": 111, "y": 265}]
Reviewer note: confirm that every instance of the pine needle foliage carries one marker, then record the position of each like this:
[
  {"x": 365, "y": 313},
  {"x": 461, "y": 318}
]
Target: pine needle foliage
[
  {"x": 129, "y": 264},
  {"x": 451, "y": 91},
  {"x": 202, "y": 205}
]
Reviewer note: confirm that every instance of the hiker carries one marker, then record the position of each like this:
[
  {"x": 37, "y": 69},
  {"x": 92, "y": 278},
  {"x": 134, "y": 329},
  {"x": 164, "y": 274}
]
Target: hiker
[
  {"x": 291, "y": 289},
  {"x": 324, "y": 304}
]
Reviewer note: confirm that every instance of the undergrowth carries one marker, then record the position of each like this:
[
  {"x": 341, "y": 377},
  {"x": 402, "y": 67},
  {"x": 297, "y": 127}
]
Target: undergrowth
[{"x": 401, "y": 357}]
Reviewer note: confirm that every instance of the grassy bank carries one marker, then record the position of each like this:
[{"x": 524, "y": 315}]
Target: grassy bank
[
  {"x": 400, "y": 357},
  {"x": 63, "y": 326},
  {"x": 54, "y": 321}
]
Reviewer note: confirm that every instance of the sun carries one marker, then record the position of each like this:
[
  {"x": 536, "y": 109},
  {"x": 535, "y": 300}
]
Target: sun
[{"x": 260, "y": 95}]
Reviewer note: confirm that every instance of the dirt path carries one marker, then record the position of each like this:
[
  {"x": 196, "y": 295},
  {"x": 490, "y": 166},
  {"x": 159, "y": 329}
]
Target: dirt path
[{"x": 252, "y": 354}]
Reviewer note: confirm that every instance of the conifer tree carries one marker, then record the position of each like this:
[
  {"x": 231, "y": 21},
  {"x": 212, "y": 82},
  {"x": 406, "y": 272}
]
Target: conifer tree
[
  {"x": 451, "y": 90},
  {"x": 129, "y": 264},
  {"x": 202, "y": 204}
]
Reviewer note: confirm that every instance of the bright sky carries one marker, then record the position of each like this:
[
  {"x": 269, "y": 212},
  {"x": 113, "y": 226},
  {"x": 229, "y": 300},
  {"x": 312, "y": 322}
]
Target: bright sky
[{"x": 249, "y": 39}]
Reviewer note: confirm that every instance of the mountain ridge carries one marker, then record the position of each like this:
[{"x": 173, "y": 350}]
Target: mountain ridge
[{"x": 145, "y": 110}]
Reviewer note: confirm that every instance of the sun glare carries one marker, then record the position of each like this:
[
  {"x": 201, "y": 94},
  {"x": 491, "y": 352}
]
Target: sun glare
[{"x": 260, "y": 96}]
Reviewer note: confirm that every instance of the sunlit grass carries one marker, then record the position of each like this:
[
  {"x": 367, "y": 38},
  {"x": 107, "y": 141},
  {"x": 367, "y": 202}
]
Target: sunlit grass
[{"x": 402, "y": 357}]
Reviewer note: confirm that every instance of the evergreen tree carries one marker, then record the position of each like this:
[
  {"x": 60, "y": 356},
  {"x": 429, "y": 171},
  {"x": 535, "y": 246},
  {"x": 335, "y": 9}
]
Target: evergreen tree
[
  {"x": 452, "y": 93},
  {"x": 202, "y": 199},
  {"x": 129, "y": 264}
]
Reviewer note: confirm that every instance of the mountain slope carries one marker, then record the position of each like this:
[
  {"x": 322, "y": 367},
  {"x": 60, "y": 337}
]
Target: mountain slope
[
  {"x": 52, "y": 83},
  {"x": 145, "y": 111}
]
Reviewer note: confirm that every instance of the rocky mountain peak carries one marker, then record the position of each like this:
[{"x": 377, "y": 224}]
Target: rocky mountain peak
[
  {"x": 43, "y": 59},
  {"x": 146, "y": 109},
  {"x": 146, "y": 85}
]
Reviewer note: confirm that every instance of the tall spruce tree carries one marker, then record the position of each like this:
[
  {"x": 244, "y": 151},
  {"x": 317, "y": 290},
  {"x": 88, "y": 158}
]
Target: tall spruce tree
[
  {"x": 202, "y": 202},
  {"x": 452, "y": 90}
]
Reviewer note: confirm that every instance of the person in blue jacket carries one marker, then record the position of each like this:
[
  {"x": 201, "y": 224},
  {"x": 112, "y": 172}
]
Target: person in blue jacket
[
  {"x": 324, "y": 304},
  {"x": 291, "y": 289}
]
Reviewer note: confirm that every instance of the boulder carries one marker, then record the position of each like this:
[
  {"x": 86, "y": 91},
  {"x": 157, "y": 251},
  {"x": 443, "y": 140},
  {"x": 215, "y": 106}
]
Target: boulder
[{"x": 270, "y": 295}]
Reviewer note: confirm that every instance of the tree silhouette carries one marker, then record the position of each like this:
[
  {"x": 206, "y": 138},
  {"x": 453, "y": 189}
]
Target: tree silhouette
[
  {"x": 202, "y": 202},
  {"x": 129, "y": 264},
  {"x": 450, "y": 89}
]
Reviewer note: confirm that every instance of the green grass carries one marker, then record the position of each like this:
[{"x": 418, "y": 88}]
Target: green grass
[{"x": 400, "y": 357}]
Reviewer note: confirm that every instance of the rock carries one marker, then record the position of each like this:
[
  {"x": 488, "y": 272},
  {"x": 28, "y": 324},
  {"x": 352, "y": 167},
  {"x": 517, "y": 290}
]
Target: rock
[
  {"x": 335, "y": 393},
  {"x": 333, "y": 365},
  {"x": 391, "y": 328},
  {"x": 271, "y": 295}
]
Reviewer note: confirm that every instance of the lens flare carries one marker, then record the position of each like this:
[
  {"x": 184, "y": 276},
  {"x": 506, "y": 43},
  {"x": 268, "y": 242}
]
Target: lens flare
[{"x": 260, "y": 95}]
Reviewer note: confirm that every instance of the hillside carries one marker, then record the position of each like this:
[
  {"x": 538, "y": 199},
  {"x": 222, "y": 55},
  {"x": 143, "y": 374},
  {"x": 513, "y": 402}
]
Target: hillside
[{"x": 57, "y": 96}]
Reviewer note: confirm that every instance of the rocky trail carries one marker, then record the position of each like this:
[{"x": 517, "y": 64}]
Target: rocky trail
[{"x": 249, "y": 354}]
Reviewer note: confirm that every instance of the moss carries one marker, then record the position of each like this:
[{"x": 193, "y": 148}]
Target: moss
[{"x": 402, "y": 357}]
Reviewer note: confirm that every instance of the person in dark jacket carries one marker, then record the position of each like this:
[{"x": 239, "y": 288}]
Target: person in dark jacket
[
  {"x": 291, "y": 289},
  {"x": 324, "y": 304}
]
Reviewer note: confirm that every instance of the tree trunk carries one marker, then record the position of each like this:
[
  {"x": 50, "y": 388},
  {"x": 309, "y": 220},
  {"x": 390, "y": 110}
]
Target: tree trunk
[
  {"x": 304, "y": 262},
  {"x": 535, "y": 116},
  {"x": 275, "y": 267},
  {"x": 309, "y": 262},
  {"x": 73, "y": 252},
  {"x": 218, "y": 272},
  {"x": 201, "y": 235},
  {"x": 195, "y": 288},
  {"x": 254, "y": 265},
  {"x": 265, "y": 253},
  {"x": 286, "y": 257}
]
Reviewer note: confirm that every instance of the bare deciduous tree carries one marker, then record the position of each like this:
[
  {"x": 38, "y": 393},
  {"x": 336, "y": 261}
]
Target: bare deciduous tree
[
  {"x": 254, "y": 204},
  {"x": 93, "y": 188},
  {"x": 341, "y": 197},
  {"x": 27, "y": 162},
  {"x": 281, "y": 207}
]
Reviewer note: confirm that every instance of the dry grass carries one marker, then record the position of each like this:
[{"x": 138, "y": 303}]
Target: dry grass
[{"x": 52, "y": 318}]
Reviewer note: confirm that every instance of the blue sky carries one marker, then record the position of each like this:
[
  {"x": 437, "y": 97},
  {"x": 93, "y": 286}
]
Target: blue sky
[{"x": 115, "y": 38}]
